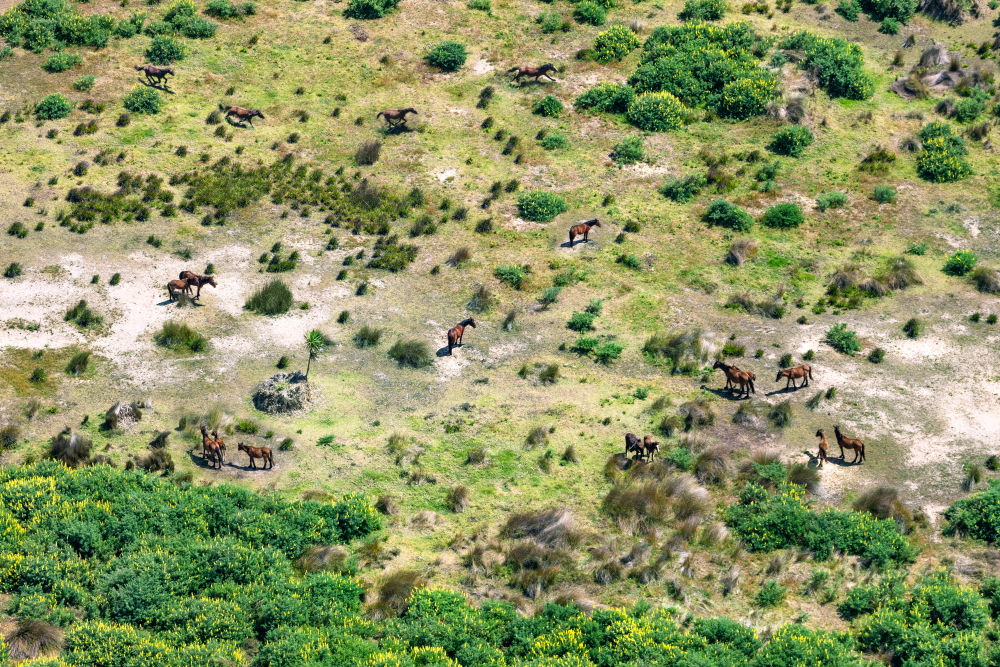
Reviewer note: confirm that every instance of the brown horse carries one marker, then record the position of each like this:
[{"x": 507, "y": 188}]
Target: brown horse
[
  {"x": 210, "y": 449},
  {"x": 633, "y": 444},
  {"x": 651, "y": 447},
  {"x": 803, "y": 372},
  {"x": 154, "y": 74},
  {"x": 395, "y": 117},
  {"x": 175, "y": 287},
  {"x": 243, "y": 114},
  {"x": 582, "y": 230},
  {"x": 257, "y": 453},
  {"x": 455, "y": 333},
  {"x": 537, "y": 72},
  {"x": 734, "y": 377},
  {"x": 219, "y": 443},
  {"x": 823, "y": 447},
  {"x": 194, "y": 280},
  {"x": 853, "y": 444}
]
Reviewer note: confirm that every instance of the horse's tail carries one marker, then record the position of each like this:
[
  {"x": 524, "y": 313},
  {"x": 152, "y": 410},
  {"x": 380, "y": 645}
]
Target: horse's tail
[
  {"x": 139, "y": 68},
  {"x": 512, "y": 70},
  {"x": 862, "y": 451},
  {"x": 752, "y": 388},
  {"x": 380, "y": 113},
  {"x": 810, "y": 372},
  {"x": 223, "y": 107}
]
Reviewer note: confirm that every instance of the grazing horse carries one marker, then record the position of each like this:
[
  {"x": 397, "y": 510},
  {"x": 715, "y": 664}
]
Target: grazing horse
[
  {"x": 210, "y": 449},
  {"x": 823, "y": 447},
  {"x": 536, "y": 72},
  {"x": 633, "y": 444},
  {"x": 175, "y": 287},
  {"x": 155, "y": 74},
  {"x": 194, "y": 280},
  {"x": 853, "y": 444},
  {"x": 734, "y": 376},
  {"x": 257, "y": 453},
  {"x": 582, "y": 230},
  {"x": 455, "y": 333},
  {"x": 242, "y": 113},
  {"x": 804, "y": 372},
  {"x": 651, "y": 447},
  {"x": 395, "y": 117}
]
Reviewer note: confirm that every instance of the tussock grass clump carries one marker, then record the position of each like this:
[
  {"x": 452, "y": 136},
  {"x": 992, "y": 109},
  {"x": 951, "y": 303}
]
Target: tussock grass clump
[
  {"x": 82, "y": 316},
  {"x": 696, "y": 413},
  {"x": 986, "y": 280},
  {"x": 683, "y": 351},
  {"x": 459, "y": 257},
  {"x": 394, "y": 592},
  {"x": 367, "y": 336},
  {"x": 549, "y": 527},
  {"x": 884, "y": 502},
  {"x": 31, "y": 638},
  {"x": 411, "y": 353},
  {"x": 78, "y": 363},
  {"x": 801, "y": 474},
  {"x": 900, "y": 273},
  {"x": 537, "y": 437},
  {"x": 482, "y": 299},
  {"x": 711, "y": 466},
  {"x": 327, "y": 558},
  {"x": 781, "y": 414},
  {"x": 913, "y": 327},
  {"x": 368, "y": 153},
  {"x": 72, "y": 449},
  {"x": 387, "y": 505},
  {"x": 177, "y": 335},
  {"x": 274, "y": 298},
  {"x": 457, "y": 498}
]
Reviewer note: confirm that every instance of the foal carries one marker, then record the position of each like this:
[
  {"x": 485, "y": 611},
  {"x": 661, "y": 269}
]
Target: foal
[
  {"x": 582, "y": 230},
  {"x": 175, "y": 287},
  {"x": 455, "y": 333},
  {"x": 210, "y": 449},
  {"x": 853, "y": 444},
  {"x": 803, "y": 372},
  {"x": 650, "y": 447},
  {"x": 823, "y": 447},
  {"x": 257, "y": 453}
]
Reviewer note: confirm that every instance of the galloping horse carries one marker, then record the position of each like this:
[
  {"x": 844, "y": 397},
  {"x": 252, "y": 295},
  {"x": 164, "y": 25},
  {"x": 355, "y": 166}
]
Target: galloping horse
[
  {"x": 242, "y": 113},
  {"x": 175, "y": 287},
  {"x": 804, "y": 372},
  {"x": 155, "y": 74},
  {"x": 734, "y": 376},
  {"x": 633, "y": 444},
  {"x": 455, "y": 333},
  {"x": 536, "y": 72},
  {"x": 210, "y": 449},
  {"x": 395, "y": 117},
  {"x": 582, "y": 230},
  {"x": 257, "y": 453},
  {"x": 853, "y": 444},
  {"x": 823, "y": 447},
  {"x": 194, "y": 280},
  {"x": 651, "y": 447}
]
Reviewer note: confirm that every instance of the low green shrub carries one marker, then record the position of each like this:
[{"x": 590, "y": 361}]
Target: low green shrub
[
  {"x": 724, "y": 214},
  {"x": 791, "y": 141},
  {"x": 548, "y": 106},
  {"x": 367, "y": 10},
  {"x": 684, "y": 188},
  {"x": 833, "y": 199},
  {"x": 447, "y": 56},
  {"x": 608, "y": 97},
  {"x": 411, "y": 353},
  {"x": 960, "y": 263},
  {"x": 511, "y": 274},
  {"x": 842, "y": 339},
  {"x": 702, "y": 10},
  {"x": 84, "y": 83},
  {"x": 889, "y": 26},
  {"x": 274, "y": 298},
  {"x": 553, "y": 141},
  {"x": 839, "y": 64},
  {"x": 942, "y": 157},
  {"x": 628, "y": 150},
  {"x": 164, "y": 50},
  {"x": 540, "y": 206},
  {"x": 142, "y": 99},
  {"x": 588, "y": 11},
  {"x": 849, "y": 9},
  {"x": 884, "y": 194},
  {"x": 581, "y": 321},
  {"x": 783, "y": 216},
  {"x": 53, "y": 107},
  {"x": 60, "y": 62},
  {"x": 177, "y": 335}
]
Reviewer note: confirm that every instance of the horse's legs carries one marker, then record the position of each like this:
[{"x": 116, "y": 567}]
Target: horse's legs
[{"x": 585, "y": 234}]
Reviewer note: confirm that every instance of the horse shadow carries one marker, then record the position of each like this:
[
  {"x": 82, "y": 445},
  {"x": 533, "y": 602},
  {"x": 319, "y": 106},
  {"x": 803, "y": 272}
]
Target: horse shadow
[
  {"x": 191, "y": 302},
  {"x": 391, "y": 130},
  {"x": 237, "y": 123},
  {"x": 725, "y": 393},
  {"x": 444, "y": 352},
  {"x": 161, "y": 86},
  {"x": 199, "y": 460},
  {"x": 783, "y": 390},
  {"x": 837, "y": 461}
]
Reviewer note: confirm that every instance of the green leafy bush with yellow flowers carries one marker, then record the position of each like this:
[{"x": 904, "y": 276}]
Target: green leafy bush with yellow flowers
[
  {"x": 656, "y": 112},
  {"x": 614, "y": 44}
]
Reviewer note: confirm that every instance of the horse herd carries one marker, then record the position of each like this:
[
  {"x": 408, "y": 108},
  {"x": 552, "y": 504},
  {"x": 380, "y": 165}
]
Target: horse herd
[
  {"x": 214, "y": 451},
  {"x": 186, "y": 281}
]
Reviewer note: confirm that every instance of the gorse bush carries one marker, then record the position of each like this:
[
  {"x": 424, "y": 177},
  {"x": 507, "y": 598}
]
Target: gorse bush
[
  {"x": 164, "y": 50},
  {"x": 36, "y": 25},
  {"x": 84, "y": 83},
  {"x": 53, "y": 107},
  {"x": 702, "y": 10},
  {"x": 60, "y": 62},
  {"x": 226, "y": 9},
  {"x": 274, "y": 298},
  {"x": 142, "y": 99},
  {"x": 367, "y": 10},
  {"x": 942, "y": 157},
  {"x": 588, "y": 11},
  {"x": 614, "y": 44},
  {"x": 842, "y": 339},
  {"x": 548, "y": 106},
  {"x": 540, "y": 206},
  {"x": 447, "y": 56},
  {"x": 783, "y": 216},
  {"x": 608, "y": 97},
  {"x": 977, "y": 516},
  {"x": 960, "y": 263},
  {"x": 791, "y": 141},
  {"x": 656, "y": 112},
  {"x": 767, "y": 521},
  {"x": 839, "y": 64},
  {"x": 724, "y": 214}
]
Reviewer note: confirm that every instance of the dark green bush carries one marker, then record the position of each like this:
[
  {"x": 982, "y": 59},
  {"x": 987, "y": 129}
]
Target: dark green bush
[
  {"x": 783, "y": 216},
  {"x": 628, "y": 150},
  {"x": 615, "y": 43},
  {"x": 447, "y": 56},
  {"x": 683, "y": 189},
  {"x": 609, "y": 97},
  {"x": 164, "y": 50},
  {"x": 590, "y": 12},
  {"x": 884, "y": 194},
  {"x": 656, "y": 112},
  {"x": 833, "y": 199},
  {"x": 367, "y": 10},
  {"x": 839, "y": 64},
  {"x": 791, "y": 141},
  {"x": 724, "y": 214},
  {"x": 53, "y": 107},
  {"x": 511, "y": 274},
  {"x": 548, "y": 106},
  {"x": 60, "y": 62},
  {"x": 942, "y": 157},
  {"x": 142, "y": 99},
  {"x": 540, "y": 206},
  {"x": 842, "y": 339},
  {"x": 702, "y": 10}
]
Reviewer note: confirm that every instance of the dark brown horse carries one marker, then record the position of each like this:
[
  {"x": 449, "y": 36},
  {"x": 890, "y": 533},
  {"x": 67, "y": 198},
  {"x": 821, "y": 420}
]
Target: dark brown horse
[
  {"x": 853, "y": 444},
  {"x": 537, "y": 72},
  {"x": 243, "y": 114},
  {"x": 803, "y": 372},
  {"x": 824, "y": 446},
  {"x": 154, "y": 74},
  {"x": 395, "y": 117},
  {"x": 650, "y": 447},
  {"x": 582, "y": 230},
  {"x": 455, "y": 333},
  {"x": 175, "y": 287},
  {"x": 735, "y": 376},
  {"x": 211, "y": 451},
  {"x": 633, "y": 445},
  {"x": 257, "y": 453},
  {"x": 194, "y": 280},
  {"x": 219, "y": 443}
]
